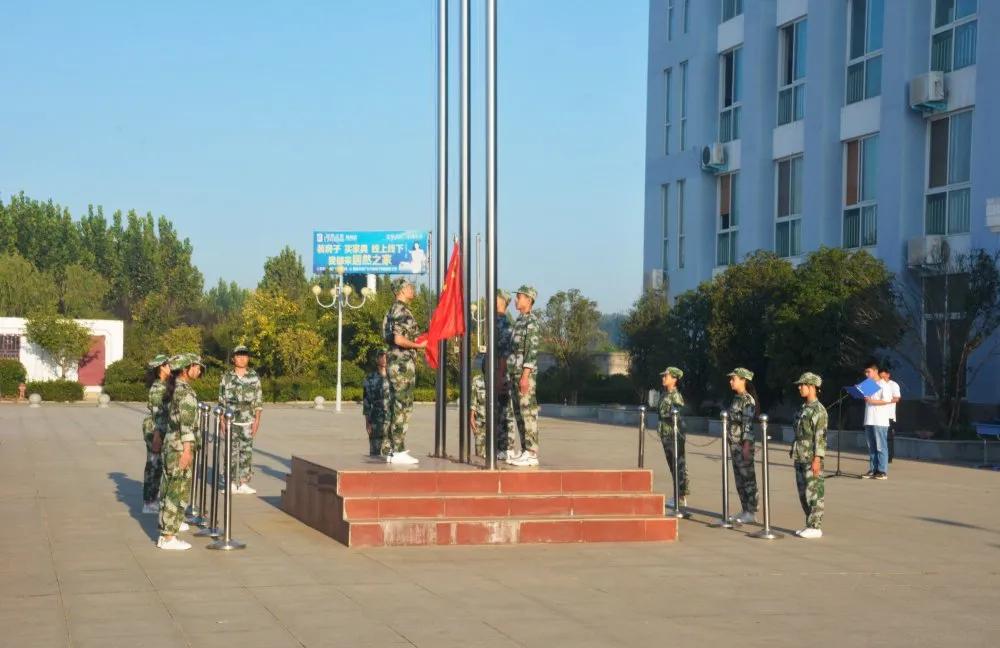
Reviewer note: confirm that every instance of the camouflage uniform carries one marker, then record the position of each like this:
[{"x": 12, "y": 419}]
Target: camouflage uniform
[
  {"x": 479, "y": 413},
  {"x": 741, "y": 416},
  {"x": 810, "y": 441},
  {"x": 176, "y": 482},
  {"x": 402, "y": 366},
  {"x": 244, "y": 395},
  {"x": 668, "y": 401},
  {"x": 155, "y": 421},
  {"x": 375, "y": 407},
  {"x": 525, "y": 340},
  {"x": 505, "y": 423}
]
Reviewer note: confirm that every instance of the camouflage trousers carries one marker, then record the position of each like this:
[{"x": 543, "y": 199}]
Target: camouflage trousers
[
  {"x": 524, "y": 414},
  {"x": 175, "y": 491},
  {"x": 503, "y": 427},
  {"x": 812, "y": 488},
  {"x": 402, "y": 380},
  {"x": 746, "y": 478},
  {"x": 242, "y": 453},
  {"x": 376, "y": 436},
  {"x": 152, "y": 474},
  {"x": 668, "y": 449}
]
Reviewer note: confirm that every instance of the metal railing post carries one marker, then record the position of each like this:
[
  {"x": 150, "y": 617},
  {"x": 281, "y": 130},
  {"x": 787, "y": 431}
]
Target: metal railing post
[
  {"x": 642, "y": 436},
  {"x": 725, "y": 522},
  {"x": 766, "y": 533},
  {"x": 677, "y": 512},
  {"x": 211, "y": 527},
  {"x": 226, "y": 542}
]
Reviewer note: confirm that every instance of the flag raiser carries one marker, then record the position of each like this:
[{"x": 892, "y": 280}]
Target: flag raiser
[{"x": 448, "y": 320}]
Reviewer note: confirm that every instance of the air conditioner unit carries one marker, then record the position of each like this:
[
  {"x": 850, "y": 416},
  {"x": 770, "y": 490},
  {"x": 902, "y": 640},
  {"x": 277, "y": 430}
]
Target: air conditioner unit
[
  {"x": 927, "y": 251},
  {"x": 713, "y": 158},
  {"x": 927, "y": 93},
  {"x": 654, "y": 280}
]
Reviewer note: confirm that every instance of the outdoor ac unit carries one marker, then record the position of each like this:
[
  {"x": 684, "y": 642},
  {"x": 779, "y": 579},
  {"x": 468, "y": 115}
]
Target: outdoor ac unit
[
  {"x": 927, "y": 93},
  {"x": 927, "y": 251},
  {"x": 713, "y": 157},
  {"x": 653, "y": 280}
]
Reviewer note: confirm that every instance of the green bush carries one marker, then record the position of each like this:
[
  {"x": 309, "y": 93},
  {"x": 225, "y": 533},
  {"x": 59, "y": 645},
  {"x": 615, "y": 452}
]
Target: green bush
[
  {"x": 57, "y": 390},
  {"x": 207, "y": 388},
  {"x": 134, "y": 392},
  {"x": 351, "y": 375},
  {"x": 12, "y": 374},
  {"x": 125, "y": 370}
]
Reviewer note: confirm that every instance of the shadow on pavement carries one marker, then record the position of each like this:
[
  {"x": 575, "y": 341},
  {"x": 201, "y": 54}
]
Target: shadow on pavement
[
  {"x": 286, "y": 461},
  {"x": 953, "y": 523},
  {"x": 129, "y": 492}
]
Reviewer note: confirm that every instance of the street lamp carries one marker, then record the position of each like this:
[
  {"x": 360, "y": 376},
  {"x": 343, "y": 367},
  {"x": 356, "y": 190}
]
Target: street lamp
[
  {"x": 341, "y": 296},
  {"x": 478, "y": 318}
]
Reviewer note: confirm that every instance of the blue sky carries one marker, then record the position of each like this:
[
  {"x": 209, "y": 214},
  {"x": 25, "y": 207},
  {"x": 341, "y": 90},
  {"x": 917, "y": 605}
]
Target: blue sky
[{"x": 251, "y": 124}]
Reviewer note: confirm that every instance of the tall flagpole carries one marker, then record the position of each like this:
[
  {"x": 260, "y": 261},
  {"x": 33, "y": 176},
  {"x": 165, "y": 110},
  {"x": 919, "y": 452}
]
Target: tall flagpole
[
  {"x": 464, "y": 209},
  {"x": 441, "y": 397},
  {"x": 491, "y": 230}
]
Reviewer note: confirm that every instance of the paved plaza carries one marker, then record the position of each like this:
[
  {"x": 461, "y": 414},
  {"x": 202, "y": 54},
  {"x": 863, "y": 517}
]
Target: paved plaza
[{"x": 908, "y": 562}]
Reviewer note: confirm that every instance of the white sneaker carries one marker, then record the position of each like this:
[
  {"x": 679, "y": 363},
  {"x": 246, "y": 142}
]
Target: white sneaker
[
  {"x": 527, "y": 458},
  {"x": 234, "y": 489},
  {"x": 670, "y": 502},
  {"x": 184, "y": 527},
  {"x": 246, "y": 489},
  {"x": 512, "y": 457},
  {"x": 151, "y": 509},
  {"x": 404, "y": 457},
  {"x": 746, "y": 517},
  {"x": 174, "y": 544},
  {"x": 502, "y": 455},
  {"x": 810, "y": 533}
]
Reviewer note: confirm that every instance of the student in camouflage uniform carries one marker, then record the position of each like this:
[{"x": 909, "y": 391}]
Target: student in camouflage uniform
[
  {"x": 743, "y": 410},
  {"x": 504, "y": 347},
  {"x": 178, "y": 448},
  {"x": 670, "y": 399},
  {"x": 154, "y": 427},
  {"x": 400, "y": 332},
  {"x": 477, "y": 411},
  {"x": 521, "y": 367},
  {"x": 807, "y": 452},
  {"x": 240, "y": 390},
  {"x": 375, "y": 406}
]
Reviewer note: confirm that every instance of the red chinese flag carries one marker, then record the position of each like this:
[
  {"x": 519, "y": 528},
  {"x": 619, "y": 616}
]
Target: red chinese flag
[{"x": 448, "y": 320}]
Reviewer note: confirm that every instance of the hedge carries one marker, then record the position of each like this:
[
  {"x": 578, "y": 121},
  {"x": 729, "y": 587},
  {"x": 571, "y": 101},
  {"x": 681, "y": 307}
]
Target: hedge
[
  {"x": 12, "y": 374},
  {"x": 136, "y": 392},
  {"x": 125, "y": 370},
  {"x": 56, "y": 390}
]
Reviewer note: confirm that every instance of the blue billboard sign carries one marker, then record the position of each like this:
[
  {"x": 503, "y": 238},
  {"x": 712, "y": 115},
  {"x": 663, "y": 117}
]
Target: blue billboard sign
[{"x": 397, "y": 252}]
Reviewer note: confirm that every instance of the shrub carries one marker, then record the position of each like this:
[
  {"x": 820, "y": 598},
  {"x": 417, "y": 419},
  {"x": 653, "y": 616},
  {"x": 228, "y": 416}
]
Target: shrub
[
  {"x": 351, "y": 375},
  {"x": 135, "y": 392},
  {"x": 57, "y": 390},
  {"x": 12, "y": 374},
  {"x": 207, "y": 387},
  {"x": 125, "y": 371}
]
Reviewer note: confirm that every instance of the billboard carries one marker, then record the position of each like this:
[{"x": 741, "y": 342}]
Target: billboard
[{"x": 396, "y": 252}]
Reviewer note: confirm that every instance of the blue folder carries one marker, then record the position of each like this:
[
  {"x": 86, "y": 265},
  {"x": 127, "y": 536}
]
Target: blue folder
[{"x": 863, "y": 389}]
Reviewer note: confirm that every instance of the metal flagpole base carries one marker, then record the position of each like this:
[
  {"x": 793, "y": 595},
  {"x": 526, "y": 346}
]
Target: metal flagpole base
[
  {"x": 208, "y": 532},
  {"x": 226, "y": 545},
  {"x": 766, "y": 534}
]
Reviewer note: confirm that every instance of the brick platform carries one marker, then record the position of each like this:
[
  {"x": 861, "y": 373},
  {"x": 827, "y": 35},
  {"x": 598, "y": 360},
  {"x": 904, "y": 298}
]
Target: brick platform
[{"x": 366, "y": 504}]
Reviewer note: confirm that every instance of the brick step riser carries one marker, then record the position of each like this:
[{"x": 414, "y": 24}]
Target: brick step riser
[
  {"x": 500, "y": 506},
  {"x": 366, "y": 484},
  {"x": 490, "y": 532}
]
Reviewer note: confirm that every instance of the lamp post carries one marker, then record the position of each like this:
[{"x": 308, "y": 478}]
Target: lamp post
[{"x": 341, "y": 296}]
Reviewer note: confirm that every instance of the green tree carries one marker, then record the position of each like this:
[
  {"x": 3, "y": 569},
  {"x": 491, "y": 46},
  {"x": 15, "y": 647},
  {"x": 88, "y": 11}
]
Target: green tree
[
  {"x": 644, "y": 330},
  {"x": 299, "y": 349},
  {"x": 23, "y": 289},
  {"x": 64, "y": 340},
  {"x": 181, "y": 339},
  {"x": 686, "y": 339},
  {"x": 284, "y": 274},
  {"x": 264, "y": 317},
  {"x": 570, "y": 331},
  {"x": 222, "y": 301},
  {"x": 81, "y": 291}
]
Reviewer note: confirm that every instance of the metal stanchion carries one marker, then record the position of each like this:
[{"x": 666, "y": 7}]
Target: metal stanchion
[
  {"x": 677, "y": 512},
  {"x": 766, "y": 533},
  {"x": 226, "y": 542},
  {"x": 211, "y": 527},
  {"x": 195, "y": 516},
  {"x": 725, "y": 522},
  {"x": 203, "y": 481},
  {"x": 642, "y": 436}
]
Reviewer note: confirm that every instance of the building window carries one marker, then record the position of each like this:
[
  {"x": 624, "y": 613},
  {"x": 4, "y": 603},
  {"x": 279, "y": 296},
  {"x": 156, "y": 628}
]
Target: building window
[
  {"x": 864, "y": 65},
  {"x": 731, "y": 9},
  {"x": 666, "y": 111},
  {"x": 728, "y": 223},
  {"x": 680, "y": 223},
  {"x": 684, "y": 104},
  {"x": 729, "y": 110},
  {"x": 665, "y": 223},
  {"x": 670, "y": 20},
  {"x": 687, "y": 13},
  {"x": 10, "y": 347},
  {"x": 953, "y": 41},
  {"x": 860, "y": 208},
  {"x": 788, "y": 228},
  {"x": 946, "y": 328},
  {"x": 948, "y": 174},
  {"x": 792, "y": 75}
]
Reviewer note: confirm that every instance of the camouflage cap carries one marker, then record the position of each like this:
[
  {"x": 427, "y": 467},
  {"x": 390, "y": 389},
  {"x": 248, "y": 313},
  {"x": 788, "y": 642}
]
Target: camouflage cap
[
  {"x": 241, "y": 349},
  {"x": 673, "y": 371},
  {"x": 158, "y": 360},
  {"x": 503, "y": 294},
  {"x": 529, "y": 291},
  {"x": 185, "y": 360},
  {"x": 398, "y": 283},
  {"x": 809, "y": 378},
  {"x": 745, "y": 374}
]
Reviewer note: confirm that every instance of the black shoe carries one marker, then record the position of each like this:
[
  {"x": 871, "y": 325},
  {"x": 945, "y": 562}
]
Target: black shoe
[
  {"x": 881, "y": 476},
  {"x": 869, "y": 475}
]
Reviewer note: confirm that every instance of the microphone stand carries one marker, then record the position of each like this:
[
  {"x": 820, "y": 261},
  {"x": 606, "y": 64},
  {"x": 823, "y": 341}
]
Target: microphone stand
[{"x": 839, "y": 404}]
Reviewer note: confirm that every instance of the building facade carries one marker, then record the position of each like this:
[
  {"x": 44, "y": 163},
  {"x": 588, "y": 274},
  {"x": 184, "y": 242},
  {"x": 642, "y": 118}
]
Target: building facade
[{"x": 788, "y": 125}]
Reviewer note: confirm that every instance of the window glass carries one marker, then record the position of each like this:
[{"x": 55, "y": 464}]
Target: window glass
[{"x": 939, "y": 153}]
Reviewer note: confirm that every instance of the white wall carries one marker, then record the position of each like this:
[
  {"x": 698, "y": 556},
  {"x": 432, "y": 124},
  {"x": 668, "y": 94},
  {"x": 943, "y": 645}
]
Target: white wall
[{"x": 41, "y": 367}]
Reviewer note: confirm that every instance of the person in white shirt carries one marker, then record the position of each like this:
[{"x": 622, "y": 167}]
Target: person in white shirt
[
  {"x": 877, "y": 426},
  {"x": 895, "y": 395}
]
